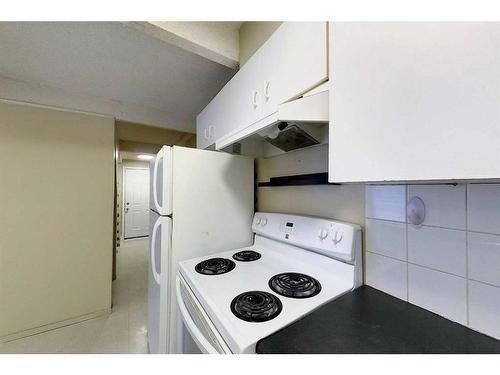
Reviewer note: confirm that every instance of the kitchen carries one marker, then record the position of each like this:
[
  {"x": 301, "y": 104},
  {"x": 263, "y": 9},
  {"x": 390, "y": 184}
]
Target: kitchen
[{"x": 353, "y": 209}]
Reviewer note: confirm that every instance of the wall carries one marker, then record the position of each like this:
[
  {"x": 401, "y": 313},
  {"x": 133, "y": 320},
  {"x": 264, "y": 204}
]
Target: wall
[
  {"x": 344, "y": 202},
  {"x": 56, "y": 217},
  {"x": 136, "y": 137},
  {"x": 451, "y": 264},
  {"x": 252, "y": 36}
]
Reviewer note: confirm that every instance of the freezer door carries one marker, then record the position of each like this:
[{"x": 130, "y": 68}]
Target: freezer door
[
  {"x": 213, "y": 201},
  {"x": 160, "y": 240},
  {"x": 161, "y": 182}
]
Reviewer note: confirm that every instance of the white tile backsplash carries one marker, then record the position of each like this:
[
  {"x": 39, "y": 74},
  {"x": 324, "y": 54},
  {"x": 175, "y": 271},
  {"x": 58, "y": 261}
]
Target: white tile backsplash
[
  {"x": 484, "y": 308},
  {"x": 451, "y": 268},
  {"x": 438, "y": 248},
  {"x": 444, "y": 204},
  {"x": 387, "y": 202},
  {"x": 386, "y": 238},
  {"x": 439, "y": 292},
  {"x": 386, "y": 274},
  {"x": 484, "y": 208},
  {"x": 484, "y": 258}
]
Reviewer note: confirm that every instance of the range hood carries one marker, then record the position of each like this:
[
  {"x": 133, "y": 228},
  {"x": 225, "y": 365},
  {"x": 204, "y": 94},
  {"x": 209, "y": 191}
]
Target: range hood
[{"x": 299, "y": 123}]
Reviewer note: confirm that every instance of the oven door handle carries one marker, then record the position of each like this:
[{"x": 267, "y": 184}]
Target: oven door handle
[{"x": 196, "y": 334}]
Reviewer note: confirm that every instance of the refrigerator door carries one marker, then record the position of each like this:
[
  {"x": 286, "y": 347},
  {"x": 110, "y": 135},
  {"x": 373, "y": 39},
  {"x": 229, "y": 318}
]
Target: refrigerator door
[
  {"x": 213, "y": 206},
  {"x": 160, "y": 240},
  {"x": 161, "y": 182}
]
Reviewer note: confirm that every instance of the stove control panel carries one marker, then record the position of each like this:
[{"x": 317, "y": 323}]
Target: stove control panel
[{"x": 332, "y": 238}]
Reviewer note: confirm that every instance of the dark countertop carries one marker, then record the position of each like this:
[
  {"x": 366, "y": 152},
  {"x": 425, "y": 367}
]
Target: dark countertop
[{"x": 370, "y": 321}]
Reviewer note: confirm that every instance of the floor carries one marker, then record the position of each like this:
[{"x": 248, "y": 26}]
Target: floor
[{"x": 123, "y": 331}]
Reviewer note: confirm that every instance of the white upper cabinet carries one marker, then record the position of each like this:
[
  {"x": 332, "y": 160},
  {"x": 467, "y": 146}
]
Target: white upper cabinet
[
  {"x": 205, "y": 127},
  {"x": 294, "y": 60},
  {"x": 414, "y": 101},
  {"x": 244, "y": 96},
  {"x": 212, "y": 121},
  {"x": 291, "y": 62}
]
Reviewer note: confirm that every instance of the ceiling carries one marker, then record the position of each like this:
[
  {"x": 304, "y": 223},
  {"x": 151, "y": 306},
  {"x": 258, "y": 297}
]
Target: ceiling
[{"x": 112, "y": 61}]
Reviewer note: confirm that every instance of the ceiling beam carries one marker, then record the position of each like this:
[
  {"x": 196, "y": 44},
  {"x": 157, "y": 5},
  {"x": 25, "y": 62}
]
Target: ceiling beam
[{"x": 215, "y": 41}]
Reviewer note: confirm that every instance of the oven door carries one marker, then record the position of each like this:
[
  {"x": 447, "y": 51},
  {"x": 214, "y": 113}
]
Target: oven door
[{"x": 197, "y": 322}]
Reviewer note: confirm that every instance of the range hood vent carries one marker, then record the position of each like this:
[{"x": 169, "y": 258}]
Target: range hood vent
[
  {"x": 300, "y": 123},
  {"x": 290, "y": 136}
]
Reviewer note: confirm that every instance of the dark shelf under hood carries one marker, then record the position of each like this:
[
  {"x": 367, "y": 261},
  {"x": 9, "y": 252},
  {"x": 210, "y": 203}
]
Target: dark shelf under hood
[{"x": 298, "y": 180}]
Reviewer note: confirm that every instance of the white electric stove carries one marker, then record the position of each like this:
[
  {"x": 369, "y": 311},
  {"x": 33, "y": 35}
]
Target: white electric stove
[{"x": 230, "y": 300}]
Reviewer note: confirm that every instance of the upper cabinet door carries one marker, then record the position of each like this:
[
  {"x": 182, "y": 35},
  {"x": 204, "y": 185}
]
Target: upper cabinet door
[
  {"x": 212, "y": 121},
  {"x": 414, "y": 101},
  {"x": 244, "y": 95},
  {"x": 204, "y": 123},
  {"x": 294, "y": 60}
]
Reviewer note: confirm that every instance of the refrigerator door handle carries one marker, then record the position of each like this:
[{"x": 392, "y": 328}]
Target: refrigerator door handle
[
  {"x": 155, "y": 181},
  {"x": 156, "y": 275}
]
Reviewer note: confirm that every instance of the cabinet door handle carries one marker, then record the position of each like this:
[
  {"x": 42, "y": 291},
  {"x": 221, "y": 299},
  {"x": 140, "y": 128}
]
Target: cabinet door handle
[
  {"x": 266, "y": 90},
  {"x": 207, "y": 133},
  {"x": 211, "y": 131},
  {"x": 254, "y": 98}
]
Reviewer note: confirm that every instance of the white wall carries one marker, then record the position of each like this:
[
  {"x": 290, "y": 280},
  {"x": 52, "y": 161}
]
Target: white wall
[{"x": 451, "y": 264}]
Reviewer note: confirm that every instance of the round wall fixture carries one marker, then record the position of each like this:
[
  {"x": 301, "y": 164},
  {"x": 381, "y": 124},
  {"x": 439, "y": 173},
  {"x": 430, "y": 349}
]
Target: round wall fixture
[{"x": 415, "y": 211}]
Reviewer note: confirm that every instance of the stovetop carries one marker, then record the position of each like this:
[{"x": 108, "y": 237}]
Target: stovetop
[{"x": 255, "y": 296}]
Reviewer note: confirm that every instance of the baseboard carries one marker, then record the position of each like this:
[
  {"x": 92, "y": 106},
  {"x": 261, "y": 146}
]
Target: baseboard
[{"x": 50, "y": 327}]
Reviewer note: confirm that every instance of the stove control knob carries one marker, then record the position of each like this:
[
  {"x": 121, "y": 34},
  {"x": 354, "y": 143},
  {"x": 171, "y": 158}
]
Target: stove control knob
[
  {"x": 323, "y": 233},
  {"x": 263, "y": 221},
  {"x": 337, "y": 237},
  {"x": 257, "y": 220}
]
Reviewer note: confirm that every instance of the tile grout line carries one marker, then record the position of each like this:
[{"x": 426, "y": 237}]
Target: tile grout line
[
  {"x": 467, "y": 254},
  {"x": 433, "y": 269},
  {"x": 434, "y": 226},
  {"x": 407, "y": 190}
]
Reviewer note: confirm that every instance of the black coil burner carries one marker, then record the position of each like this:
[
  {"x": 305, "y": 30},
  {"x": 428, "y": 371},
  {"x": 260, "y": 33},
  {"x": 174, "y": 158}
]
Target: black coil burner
[
  {"x": 215, "y": 266},
  {"x": 256, "y": 306},
  {"x": 246, "y": 256},
  {"x": 295, "y": 285}
]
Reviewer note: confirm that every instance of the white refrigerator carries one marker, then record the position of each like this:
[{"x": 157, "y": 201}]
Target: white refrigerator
[{"x": 201, "y": 202}]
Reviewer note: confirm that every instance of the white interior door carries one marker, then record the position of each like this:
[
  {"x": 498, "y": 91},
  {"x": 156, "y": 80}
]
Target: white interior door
[{"x": 136, "y": 202}]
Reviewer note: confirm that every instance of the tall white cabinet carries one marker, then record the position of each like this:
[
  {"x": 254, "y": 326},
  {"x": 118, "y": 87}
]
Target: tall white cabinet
[{"x": 414, "y": 101}]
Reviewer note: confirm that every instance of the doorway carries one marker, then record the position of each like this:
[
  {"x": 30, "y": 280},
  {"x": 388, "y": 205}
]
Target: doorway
[{"x": 135, "y": 202}]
